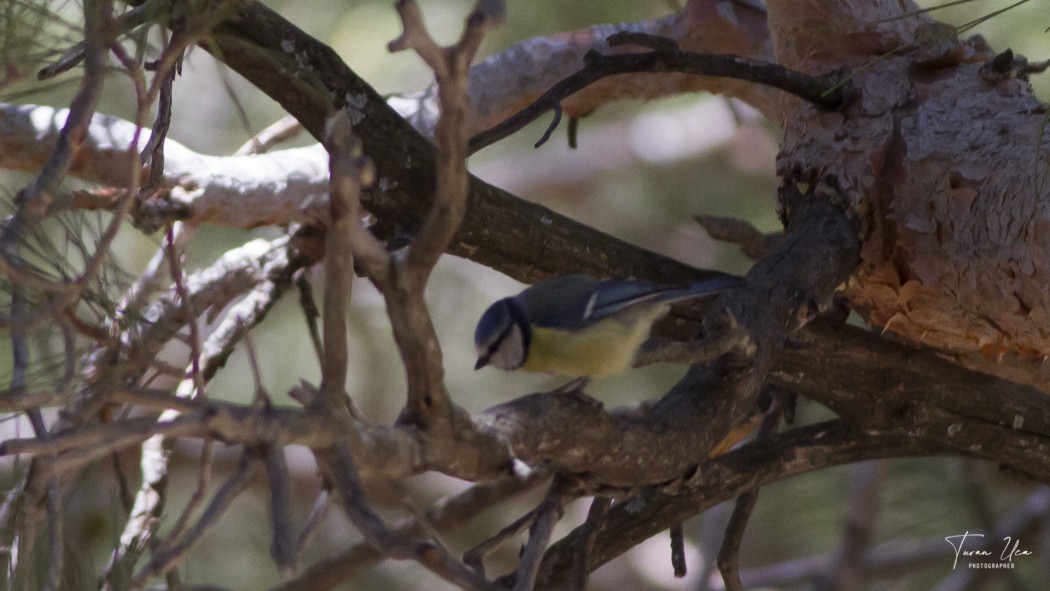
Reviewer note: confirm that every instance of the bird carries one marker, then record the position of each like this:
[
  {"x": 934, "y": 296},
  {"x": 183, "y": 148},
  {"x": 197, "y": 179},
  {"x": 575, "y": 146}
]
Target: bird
[{"x": 579, "y": 326}]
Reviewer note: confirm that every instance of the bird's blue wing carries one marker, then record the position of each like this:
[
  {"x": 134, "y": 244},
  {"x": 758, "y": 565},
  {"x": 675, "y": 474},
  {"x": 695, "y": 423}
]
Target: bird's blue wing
[
  {"x": 571, "y": 302},
  {"x": 611, "y": 296},
  {"x": 559, "y": 302}
]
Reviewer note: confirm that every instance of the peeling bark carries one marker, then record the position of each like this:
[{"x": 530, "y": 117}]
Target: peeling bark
[{"x": 949, "y": 158}]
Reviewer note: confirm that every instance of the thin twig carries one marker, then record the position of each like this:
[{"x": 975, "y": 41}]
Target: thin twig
[
  {"x": 663, "y": 58},
  {"x": 151, "y": 280},
  {"x": 139, "y": 530},
  {"x": 549, "y": 512},
  {"x": 283, "y": 129},
  {"x": 896, "y": 558},
  {"x": 127, "y": 499},
  {"x": 592, "y": 527},
  {"x": 143, "y": 517},
  {"x": 127, "y": 21},
  {"x": 448, "y": 513},
  {"x": 20, "y": 362},
  {"x": 310, "y": 311},
  {"x": 55, "y": 523},
  {"x": 422, "y": 521},
  {"x": 281, "y": 547},
  {"x": 318, "y": 512},
  {"x": 69, "y": 355},
  {"x": 751, "y": 241},
  {"x": 249, "y": 266},
  {"x": 678, "y": 564},
  {"x": 475, "y": 557},
  {"x": 729, "y": 553},
  {"x": 175, "y": 268},
  {"x": 153, "y": 152},
  {"x": 175, "y": 548},
  {"x": 347, "y": 482},
  {"x": 350, "y": 170},
  {"x": 105, "y": 437},
  {"x": 553, "y": 125},
  {"x": 204, "y": 469},
  {"x": 158, "y": 399},
  {"x": 12, "y": 400},
  {"x": 844, "y": 573}
]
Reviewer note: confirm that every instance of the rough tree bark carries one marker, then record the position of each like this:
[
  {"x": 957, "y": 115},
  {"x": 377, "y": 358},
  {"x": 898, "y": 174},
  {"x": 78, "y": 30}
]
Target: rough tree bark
[{"x": 956, "y": 258}]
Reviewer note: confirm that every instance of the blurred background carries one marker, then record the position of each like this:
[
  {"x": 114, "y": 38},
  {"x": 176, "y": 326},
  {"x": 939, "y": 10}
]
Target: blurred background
[{"x": 641, "y": 172}]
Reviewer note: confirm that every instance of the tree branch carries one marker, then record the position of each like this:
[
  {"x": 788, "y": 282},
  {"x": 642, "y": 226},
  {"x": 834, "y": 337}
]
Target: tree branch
[
  {"x": 447, "y": 514},
  {"x": 350, "y": 170},
  {"x": 780, "y": 456},
  {"x": 826, "y": 92}
]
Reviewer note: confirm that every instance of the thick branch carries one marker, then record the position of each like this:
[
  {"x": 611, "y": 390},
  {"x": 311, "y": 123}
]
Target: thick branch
[
  {"x": 781, "y": 456},
  {"x": 241, "y": 191},
  {"x": 532, "y": 241}
]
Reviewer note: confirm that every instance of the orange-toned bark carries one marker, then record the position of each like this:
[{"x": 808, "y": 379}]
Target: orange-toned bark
[{"x": 947, "y": 160}]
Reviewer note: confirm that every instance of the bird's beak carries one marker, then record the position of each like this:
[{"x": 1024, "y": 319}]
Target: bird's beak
[{"x": 483, "y": 360}]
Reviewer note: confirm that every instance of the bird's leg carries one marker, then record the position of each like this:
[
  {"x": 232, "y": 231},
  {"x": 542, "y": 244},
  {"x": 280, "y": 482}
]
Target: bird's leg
[{"x": 576, "y": 386}]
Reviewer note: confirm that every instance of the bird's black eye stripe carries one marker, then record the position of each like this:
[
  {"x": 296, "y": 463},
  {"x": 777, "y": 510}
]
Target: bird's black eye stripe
[
  {"x": 491, "y": 349},
  {"x": 495, "y": 344},
  {"x": 519, "y": 317}
]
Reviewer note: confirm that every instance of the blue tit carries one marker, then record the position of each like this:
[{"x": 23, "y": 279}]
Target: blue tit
[{"x": 579, "y": 326}]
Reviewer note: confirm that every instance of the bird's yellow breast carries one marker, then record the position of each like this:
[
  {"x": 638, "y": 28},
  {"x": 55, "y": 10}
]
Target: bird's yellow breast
[{"x": 604, "y": 348}]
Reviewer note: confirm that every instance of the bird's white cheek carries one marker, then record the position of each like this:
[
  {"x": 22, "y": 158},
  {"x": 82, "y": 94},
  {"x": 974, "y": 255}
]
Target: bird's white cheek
[{"x": 511, "y": 351}]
